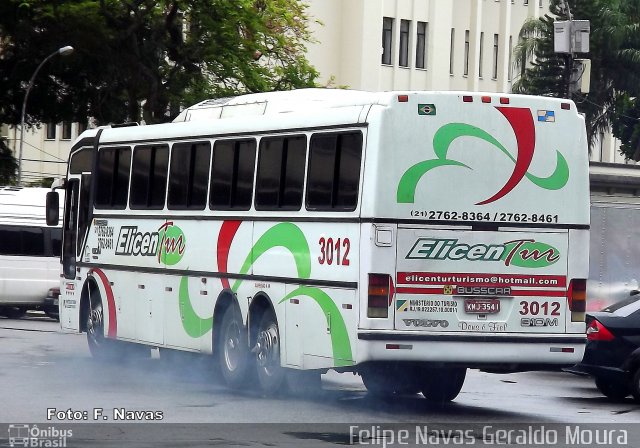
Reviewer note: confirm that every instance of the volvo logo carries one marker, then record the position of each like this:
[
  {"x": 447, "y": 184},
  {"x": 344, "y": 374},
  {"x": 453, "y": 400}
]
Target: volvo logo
[{"x": 426, "y": 323}]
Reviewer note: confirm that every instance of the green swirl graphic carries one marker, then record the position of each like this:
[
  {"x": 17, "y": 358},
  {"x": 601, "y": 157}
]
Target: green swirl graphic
[
  {"x": 442, "y": 141},
  {"x": 194, "y": 325},
  {"x": 290, "y": 237},
  {"x": 340, "y": 344},
  {"x": 285, "y": 235}
]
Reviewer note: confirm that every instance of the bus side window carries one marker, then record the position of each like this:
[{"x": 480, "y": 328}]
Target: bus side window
[
  {"x": 113, "y": 178},
  {"x": 149, "y": 177},
  {"x": 189, "y": 175},
  {"x": 334, "y": 171},
  {"x": 232, "y": 170},
  {"x": 280, "y": 177}
]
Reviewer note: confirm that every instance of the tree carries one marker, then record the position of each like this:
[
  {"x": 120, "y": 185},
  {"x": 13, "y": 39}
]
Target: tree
[
  {"x": 144, "y": 59},
  {"x": 8, "y": 164},
  {"x": 550, "y": 73}
]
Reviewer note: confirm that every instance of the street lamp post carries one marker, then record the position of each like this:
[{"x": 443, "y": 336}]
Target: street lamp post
[{"x": 63, "y": 51}]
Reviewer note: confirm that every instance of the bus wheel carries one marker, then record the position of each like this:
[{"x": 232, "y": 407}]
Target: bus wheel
[
  {"x": 271, "y": 374},
  {"x": 233, "y": 353},
  {"x": 635, "y": 385},
  {"x": 98, "y": 345},
  {"x": 388, "y": 379},
  {"x": 443, "y": 384},
  {"x": 612, "y": 389}
]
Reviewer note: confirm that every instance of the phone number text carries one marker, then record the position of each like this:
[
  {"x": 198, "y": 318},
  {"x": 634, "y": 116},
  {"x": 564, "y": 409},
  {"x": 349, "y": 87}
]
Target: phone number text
[{"x": 440, "y": 215}]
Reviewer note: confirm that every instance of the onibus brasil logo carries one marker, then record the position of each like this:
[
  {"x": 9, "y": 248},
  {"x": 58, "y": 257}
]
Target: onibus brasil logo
[
  {"x": 167, "y": 244},
  {"x": 521, "y": 122},
  {"x": 522, "y": 253}
]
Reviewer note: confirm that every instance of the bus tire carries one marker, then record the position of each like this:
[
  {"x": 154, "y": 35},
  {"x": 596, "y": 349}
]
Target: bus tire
[
  {"x": 99, "y": 346},
  {"x": 615, "y": 390},
  {"x": 443, "y": 384},
  {"x": 271, "y": 374},
  {"x": 390, "y": 379},
  {"x": 233, "y": 352},
  {"x": 635, "y": 385}
]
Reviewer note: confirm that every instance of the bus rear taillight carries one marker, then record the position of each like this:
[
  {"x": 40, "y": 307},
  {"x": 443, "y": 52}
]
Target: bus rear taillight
[
  {"x": 577, "y": 296},
  {"x": 378, "y": 300}
]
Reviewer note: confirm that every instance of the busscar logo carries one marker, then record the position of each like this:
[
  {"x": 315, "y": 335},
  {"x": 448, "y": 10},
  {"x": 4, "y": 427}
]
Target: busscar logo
[
  {"x": 482, "y": 291},
  {"x": 522, "y": 253}
]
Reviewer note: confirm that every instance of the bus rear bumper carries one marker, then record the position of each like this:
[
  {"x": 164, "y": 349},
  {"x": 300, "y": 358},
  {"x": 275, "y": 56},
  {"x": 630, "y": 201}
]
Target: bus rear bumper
[{"x": 508, "y": 352}]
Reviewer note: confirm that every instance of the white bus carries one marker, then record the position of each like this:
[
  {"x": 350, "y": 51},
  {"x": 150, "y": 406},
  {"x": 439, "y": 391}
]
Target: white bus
[
  {"x": 405, "y": 236},
  {"x": 29, "y": 252}
]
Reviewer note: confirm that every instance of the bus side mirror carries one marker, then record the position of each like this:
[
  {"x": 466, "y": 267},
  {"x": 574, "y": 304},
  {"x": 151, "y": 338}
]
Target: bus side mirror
[{"x": 53, "y": 208}]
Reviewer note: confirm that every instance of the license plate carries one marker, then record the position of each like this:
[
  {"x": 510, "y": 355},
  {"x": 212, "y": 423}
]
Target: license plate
[{"x": 482, "y": 306}]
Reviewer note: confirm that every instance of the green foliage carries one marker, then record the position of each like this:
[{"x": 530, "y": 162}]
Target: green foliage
[
  {"x": 614, "y": 44},
  {"x": 8, "y": 164},
  {"x": 45, "y": 182},
  {"x": 144, "y": 59}
]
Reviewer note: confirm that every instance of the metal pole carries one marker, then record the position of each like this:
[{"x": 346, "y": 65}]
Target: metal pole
[{"x": 61, "y": 51}]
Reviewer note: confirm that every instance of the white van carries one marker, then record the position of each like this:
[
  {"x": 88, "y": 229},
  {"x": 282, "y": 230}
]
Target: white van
[{"x": 29, "y": 252}]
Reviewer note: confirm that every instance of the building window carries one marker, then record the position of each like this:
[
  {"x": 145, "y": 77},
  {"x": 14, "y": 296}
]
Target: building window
[
  {"x": 453, "y": 35},
  {"x": 189, "y": 175},
  {"x": 421, "y": 45},
  {"x": 334, "y": 171},
  {"x": 509, "y": 74},
  {"x": 66, "y": 130},
  {"x": 51, "y": 131},
  {"x": 403, "y": 60},
  {"x": 481, "y": 54},
  {"x": 82, "y": 127},
  {"x": 494, "y": 74},
  {"x": 466, "y": 52},
  {"x": 387, "y": 40}
]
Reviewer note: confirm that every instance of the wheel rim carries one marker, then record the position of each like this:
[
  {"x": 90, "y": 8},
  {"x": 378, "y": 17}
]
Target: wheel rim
[
  {"x": 232, "y": 346},
  {"x": 268, "y": 349},
  {"x": 95, "y": 324}
]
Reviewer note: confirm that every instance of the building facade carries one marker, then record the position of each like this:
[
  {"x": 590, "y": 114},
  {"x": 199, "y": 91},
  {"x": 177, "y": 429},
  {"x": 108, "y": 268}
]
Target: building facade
[
  {"x": 377, "y": 45},
  {"x": 425, "y": 45},
  {"x": 45, "y": 150}
]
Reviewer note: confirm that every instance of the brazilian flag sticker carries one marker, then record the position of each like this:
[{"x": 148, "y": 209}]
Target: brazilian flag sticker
[{"x": 426, "y": 109}]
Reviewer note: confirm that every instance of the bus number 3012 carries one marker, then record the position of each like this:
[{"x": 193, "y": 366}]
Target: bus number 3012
[{"x": 334, "y": 251}]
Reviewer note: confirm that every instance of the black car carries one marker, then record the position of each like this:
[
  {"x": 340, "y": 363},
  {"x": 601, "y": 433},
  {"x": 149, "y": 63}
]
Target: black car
[
  {"x": 50, "y": 306},
  {"x": 612, "y": 355}
]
